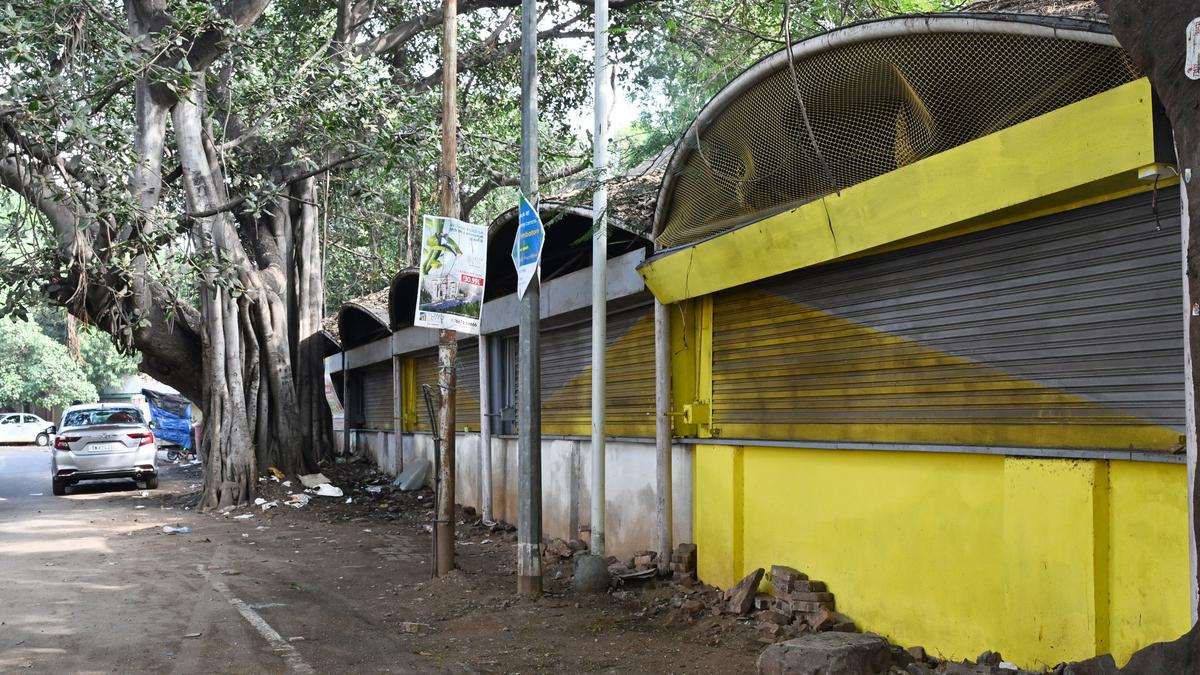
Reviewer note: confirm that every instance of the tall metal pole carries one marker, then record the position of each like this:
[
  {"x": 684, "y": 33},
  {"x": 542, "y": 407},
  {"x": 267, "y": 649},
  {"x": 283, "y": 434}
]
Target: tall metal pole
[
  {"x": 485, "y": 430},
  {"x": 662, "y": 432},
  {"x": 601, "y": 95},
  {"x": 447, "y": 339},
  {"x": 529, "y": 415}
]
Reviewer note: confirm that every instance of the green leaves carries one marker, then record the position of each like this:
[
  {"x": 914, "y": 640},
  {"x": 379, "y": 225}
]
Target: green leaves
[{"x": 35, "y": 370}]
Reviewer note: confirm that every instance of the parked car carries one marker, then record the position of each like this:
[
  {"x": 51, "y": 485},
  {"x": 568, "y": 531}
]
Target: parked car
[
  {"x": 25, "y": 428},
  {"x": 103, "y": 440}
]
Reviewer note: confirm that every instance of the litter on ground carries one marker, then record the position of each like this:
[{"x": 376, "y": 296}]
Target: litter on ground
[
  {"x": 167, "y": 529},
  {"x": 312, "y": 480},
  {"x": 327, "y": 490}
]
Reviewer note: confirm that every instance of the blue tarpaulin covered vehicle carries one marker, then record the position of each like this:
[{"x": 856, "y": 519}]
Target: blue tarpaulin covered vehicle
[{"x": 172, "y": 416}]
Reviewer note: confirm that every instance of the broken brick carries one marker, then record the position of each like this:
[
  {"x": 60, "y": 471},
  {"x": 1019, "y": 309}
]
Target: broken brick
[
  {"x": 785, "y": 574},
  {"x": 685, "y": 554},
  {"x": 774, "y": 616},
  {"x": 808, "y": 586},
  {"x": 741, "y": 597},
  {"x": 763, "y": 601},
  {"x": 819, "y": 621},
  {"x": 810, "y": 607},
  {"x": 810, "y": 597}
]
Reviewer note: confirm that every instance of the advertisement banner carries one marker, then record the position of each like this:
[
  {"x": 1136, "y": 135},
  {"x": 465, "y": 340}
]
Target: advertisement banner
[
  {"x": 527, "y": 246},
  {"x": 453, "y": 271}
]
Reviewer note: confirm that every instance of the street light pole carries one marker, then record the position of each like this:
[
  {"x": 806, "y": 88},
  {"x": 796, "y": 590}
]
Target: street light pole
[
  {"x": 602, "y": 94},
  {"x": 529, "y": 414}
]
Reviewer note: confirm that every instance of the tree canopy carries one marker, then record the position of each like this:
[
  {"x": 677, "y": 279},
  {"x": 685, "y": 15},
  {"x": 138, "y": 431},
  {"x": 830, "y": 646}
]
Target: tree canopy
[
  {"x": 205, "y": 179},
  {"x": 37, "y": 371}
]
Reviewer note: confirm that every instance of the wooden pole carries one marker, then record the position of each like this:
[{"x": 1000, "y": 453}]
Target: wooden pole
[
  {"x": 413, "y": 250},
  {"x": 447, "y": 339}
]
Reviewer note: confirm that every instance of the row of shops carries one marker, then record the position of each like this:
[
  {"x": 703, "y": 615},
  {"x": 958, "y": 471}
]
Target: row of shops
[{"x": 925, "y": 302}]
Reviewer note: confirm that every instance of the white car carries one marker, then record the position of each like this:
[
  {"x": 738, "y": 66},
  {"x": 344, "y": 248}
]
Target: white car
[
  {"x": 24, "y": 428},
  {"x": 103, "y": 440}
]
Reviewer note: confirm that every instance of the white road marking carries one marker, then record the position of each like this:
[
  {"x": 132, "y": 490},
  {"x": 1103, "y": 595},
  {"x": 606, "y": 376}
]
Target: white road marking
[{"x": 291, "y": 657}]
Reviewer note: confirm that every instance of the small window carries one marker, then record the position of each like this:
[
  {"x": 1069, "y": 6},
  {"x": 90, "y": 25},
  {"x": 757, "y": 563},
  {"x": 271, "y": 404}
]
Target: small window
[
  {"x": 11, "y": 419},
  {"x": 30, "y": 419}
]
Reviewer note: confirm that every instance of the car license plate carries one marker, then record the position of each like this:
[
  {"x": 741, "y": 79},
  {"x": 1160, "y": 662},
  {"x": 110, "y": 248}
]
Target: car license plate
[{"x": 105, "y": 447}]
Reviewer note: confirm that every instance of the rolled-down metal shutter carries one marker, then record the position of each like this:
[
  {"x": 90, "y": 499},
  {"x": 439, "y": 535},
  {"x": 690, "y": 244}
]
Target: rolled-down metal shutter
[
  {"x": 567, "y": 376},
  {"x": 1063, "y": 331},
  {"x": 466, "y": 409},
  {"x": 376, "y": 396}
]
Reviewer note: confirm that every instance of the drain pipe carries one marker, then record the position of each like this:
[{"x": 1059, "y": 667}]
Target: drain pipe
[
  {"x": 662, "y": 432},
  {"x": 485, "y": 432}
]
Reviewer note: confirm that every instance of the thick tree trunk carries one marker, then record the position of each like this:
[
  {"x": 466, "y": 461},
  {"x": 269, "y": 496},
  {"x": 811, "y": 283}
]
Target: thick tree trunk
[
  {"x": 1154, "y": 34},
  {"x": 260, "y": 412},
  {"x": 316, "y": 421}
]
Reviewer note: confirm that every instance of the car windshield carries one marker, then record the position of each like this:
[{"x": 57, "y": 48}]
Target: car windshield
[{"x": 95, "y": 416}]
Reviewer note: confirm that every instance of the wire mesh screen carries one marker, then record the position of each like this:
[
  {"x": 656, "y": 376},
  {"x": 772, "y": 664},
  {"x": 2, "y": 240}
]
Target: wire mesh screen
[{"x": 873, "y": 106}]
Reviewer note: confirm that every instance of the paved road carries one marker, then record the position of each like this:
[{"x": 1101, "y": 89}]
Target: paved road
[{"x": 89, "y": 583}]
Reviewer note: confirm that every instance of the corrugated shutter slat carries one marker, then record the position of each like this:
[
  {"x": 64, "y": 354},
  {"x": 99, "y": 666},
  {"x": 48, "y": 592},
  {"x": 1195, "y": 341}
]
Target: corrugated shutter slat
[{"x": 1062, "y": 331}]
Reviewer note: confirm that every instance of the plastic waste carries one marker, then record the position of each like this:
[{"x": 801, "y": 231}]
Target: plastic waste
[
  {"x": 244, "y": 516},
  {"x": 327, "y": 490},
  {"x": 167, "y": 529},
  {"x": 298, "y": 501},
  {"x": 276, "y": 473},
  {"x": 415, "y": 476},
  {"x": 266, "y": 506},
  {"x": 312, "y": 480},
  {"x": 374, "y": 489}
]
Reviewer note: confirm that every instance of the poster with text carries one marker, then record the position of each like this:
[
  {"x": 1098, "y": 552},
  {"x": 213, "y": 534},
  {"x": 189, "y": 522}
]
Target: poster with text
[
  {"x": 331, "y": 397},
  {"x": 453, "y": 271}
]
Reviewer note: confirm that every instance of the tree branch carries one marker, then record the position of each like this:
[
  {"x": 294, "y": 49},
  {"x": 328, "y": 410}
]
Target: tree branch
[
  {"x": 488, "y": 54},
  {"x": 497, "y": 180},
  {"x": 238, "y": 201},
  {"x": 398, "y": 36}
]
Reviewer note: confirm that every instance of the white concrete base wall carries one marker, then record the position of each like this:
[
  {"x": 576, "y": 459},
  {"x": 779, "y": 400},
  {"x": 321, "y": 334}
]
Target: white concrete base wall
[{"x": 566, "y": 484}]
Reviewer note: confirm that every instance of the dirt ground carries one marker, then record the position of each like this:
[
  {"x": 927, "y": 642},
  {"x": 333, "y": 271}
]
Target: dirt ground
[
  {"x": 90, "y": 583},
  {"x": 473, "y": 621}
]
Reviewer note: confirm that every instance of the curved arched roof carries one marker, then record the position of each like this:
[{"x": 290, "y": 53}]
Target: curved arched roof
[
  {"x": 868, "y": 99},
  {"x": 363, "y": 320},
  {"x": 568, "y": 244},
  {"x": 402, "y": 298},
  {"x": 329, "y": 343}
]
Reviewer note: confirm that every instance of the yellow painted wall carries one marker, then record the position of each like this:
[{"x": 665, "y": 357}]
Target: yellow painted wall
[
  {"x": 1045, "y": 560},
  {"x": 1148, "y": 555}
]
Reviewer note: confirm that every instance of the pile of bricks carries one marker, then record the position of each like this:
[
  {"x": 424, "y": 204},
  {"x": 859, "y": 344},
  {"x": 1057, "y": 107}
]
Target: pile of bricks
[
  {"x": 796, "y": 604},
  {"x": 683, "y": 564}
]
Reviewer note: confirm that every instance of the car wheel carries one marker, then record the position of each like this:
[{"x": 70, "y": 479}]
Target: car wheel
[
  {"x": 151, "y": 483},
  {"x": 59, "y": 488},
  {"x": 43, "y": 440}
]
